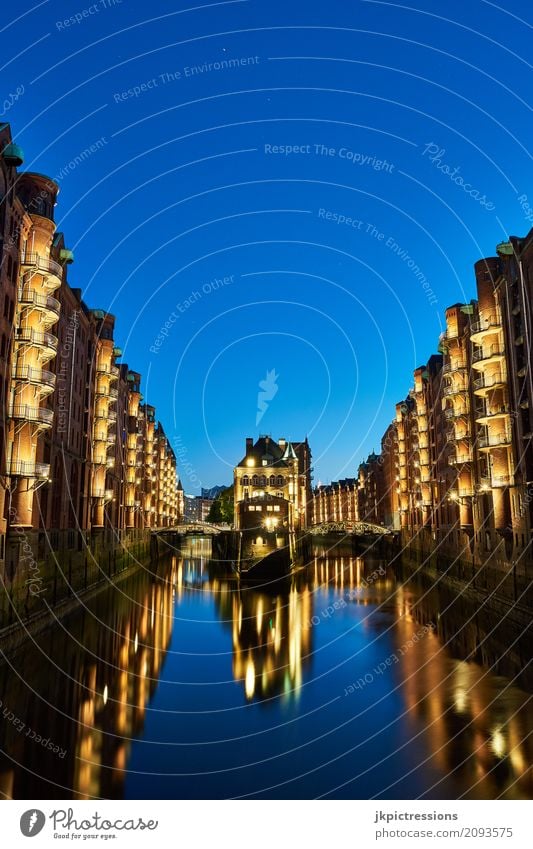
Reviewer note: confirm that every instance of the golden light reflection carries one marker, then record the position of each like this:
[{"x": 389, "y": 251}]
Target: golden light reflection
[
  {"x": 249, "y": 679},
  {"x": 469, "y": 726},
  {"x": 498, "y": 743}
]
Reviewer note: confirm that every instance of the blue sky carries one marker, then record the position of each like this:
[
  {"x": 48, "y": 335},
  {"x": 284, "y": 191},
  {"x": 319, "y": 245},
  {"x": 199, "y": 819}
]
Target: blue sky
[{"x": 309, "y": 209}]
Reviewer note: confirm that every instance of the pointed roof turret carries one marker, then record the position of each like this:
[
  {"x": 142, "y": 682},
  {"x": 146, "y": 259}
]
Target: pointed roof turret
[{"x": 289, "y": 452}]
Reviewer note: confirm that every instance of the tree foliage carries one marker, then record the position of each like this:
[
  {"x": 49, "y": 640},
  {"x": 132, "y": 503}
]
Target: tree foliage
[{"x": 222, "y": 507}]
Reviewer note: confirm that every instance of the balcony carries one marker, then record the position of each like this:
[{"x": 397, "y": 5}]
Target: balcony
[
  {"x": 105, "y": 494},
  {"x": 37, "y": 415},
  {"x": 112, "y": 415},
  {"x": 29, "y": 469},
  {"x": 503, "y": 411},
  {"x": 449, "y": 334},
  {"x": 46, "y": 341},
  {"x": 45, "y": 303},
  {"x": 487, "y": 355},
  {"x": 450, "y": 368},
  {"x": 482, "y": 385},
  {"x": 42, "y": 265},
  {"x": 102, "y": 368},
  {"x": 113, "y": 393},
  {"x": 114, "y": 372},
  {"x": 494, "y": 440},
  {"x": 499, "y": 481},
  {"x": 484, "y": 326},
  {"x": 452, "y": 413},
  {"x": 454, "y": 390},
  {"x": 36, "y": 376},
  {"x": 460, "y": 459}
]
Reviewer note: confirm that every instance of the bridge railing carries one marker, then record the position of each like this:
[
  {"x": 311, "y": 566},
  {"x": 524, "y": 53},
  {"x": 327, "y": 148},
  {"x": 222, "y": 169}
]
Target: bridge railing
[{"x": 358, "y": 528}]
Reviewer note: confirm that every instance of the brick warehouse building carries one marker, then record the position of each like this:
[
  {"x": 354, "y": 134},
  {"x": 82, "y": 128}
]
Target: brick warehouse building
[
  {"x": 461, "y": 442},
  {"x": 83, "y": 462}
]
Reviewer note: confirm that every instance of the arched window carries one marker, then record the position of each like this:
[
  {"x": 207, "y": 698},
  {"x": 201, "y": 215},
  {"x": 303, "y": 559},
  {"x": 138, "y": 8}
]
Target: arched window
[
  {"x": 255, "y": 480},
  {"x": 280, "y": 480},
  {"x": 245, "y": 481},
  {"x": 262, "y": 480},
  {"x": 272, "y": 480}
]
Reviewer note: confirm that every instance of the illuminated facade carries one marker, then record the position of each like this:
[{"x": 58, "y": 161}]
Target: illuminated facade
[
  {"x": 336, "y": 502},
  {"x": 464, "y": 452},
  {"x": 370, "y": 490},
  {"x": 277, "y": 471},
  {"x": 79, "y": 452},
  {"x": 390, "y": 498}
]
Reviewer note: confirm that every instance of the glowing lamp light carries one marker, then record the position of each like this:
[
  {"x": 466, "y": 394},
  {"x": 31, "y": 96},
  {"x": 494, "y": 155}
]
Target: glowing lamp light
[{"x": 250, "y": 462}]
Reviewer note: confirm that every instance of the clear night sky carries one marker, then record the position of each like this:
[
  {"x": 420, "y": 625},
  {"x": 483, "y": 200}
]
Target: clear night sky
[{"x": 182, "y": 190}]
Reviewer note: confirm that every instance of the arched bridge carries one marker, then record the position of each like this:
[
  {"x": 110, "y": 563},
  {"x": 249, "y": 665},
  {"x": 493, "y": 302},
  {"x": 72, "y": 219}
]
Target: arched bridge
[
  {"x": 357, "y": 528},
  {"x": 194, "y": 528}
]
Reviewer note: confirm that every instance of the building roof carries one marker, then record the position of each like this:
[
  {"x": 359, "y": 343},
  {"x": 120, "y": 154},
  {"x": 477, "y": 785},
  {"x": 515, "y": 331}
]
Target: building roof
[{"x": 265, "y": 448}]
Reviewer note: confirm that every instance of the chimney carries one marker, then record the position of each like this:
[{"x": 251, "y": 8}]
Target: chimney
[
  {"x": 282, "y": 443},
  {"x": 249, "y": 445}
]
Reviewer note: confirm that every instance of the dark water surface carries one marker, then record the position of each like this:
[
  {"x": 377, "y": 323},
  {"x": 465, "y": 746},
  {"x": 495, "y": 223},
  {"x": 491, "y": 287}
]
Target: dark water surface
[{"x": 184, "y": 684}]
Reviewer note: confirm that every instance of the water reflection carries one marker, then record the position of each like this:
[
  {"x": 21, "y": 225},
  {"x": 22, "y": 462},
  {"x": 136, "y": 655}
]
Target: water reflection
[
  {"x": 442, "y": 725},
  {"x": 85, "y": 685}
]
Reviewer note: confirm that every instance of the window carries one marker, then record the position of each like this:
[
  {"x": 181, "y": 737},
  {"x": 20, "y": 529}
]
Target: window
[
  {"x": 245, "y": 481},
  {"x": 280, "y": 480},
  {"x": 272, "y": 480}
]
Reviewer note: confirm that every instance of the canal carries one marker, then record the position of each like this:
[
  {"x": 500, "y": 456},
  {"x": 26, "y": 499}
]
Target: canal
[{"x": 348, "y": 681}]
